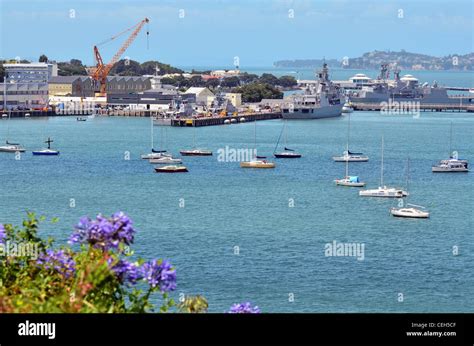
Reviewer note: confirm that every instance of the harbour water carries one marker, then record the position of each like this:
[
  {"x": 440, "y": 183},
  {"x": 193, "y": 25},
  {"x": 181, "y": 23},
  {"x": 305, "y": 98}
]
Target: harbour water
[{"x": 238, "y": 237}]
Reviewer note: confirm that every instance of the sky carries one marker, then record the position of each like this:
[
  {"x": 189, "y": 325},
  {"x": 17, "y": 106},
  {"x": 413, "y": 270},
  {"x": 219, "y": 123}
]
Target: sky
[{"x": 214, "y": 32}]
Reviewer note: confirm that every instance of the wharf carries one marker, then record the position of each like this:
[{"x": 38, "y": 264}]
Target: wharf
[
  {"x": 219, "y": 120},
  {"x": 426, "y": 107}
]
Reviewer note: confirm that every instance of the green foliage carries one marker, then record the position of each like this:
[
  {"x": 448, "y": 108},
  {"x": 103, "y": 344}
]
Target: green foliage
[
  {"x": 134, "y": 68},
  {"x": 287, "y": 81},
  {"x": 28, "y": 287},
  {"x": 194, "y": 304},
  {"x": 72, "y": 68},
  {"x": 43, "y": 58},
  {"x": 255, "y": 92},
  {"x": 268, "y": 78}
]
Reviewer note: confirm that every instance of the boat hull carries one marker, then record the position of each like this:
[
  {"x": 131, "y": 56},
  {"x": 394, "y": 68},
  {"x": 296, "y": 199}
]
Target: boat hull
[
  {"x": 410, "y": 213},
  {"x": 171, "y": 169},
  {"x": 384, "y": 193},
  {"x": 350, "y": 158},
  {"x": 449, "y": 170},
  {"x": 349, "y": 184},
  {"x": 251, "y": 164},
  {"x": 313, "y": 113},
  {"x": 12, "y": 150},
  {"x": 40, "y": 153},
  {"x": 287, "y": 156},
  {"x": 195, "y": 153}
]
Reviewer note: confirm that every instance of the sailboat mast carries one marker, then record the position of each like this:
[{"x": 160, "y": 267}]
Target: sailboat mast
[
  {"x": 151, "y": 132},
  {"x": 451, "y": 140},
  {"x": 286, "y": 134},
  {"x": 348, "y": 131},
  {"x": 381, "y": 167},
  {"x": 408, "y": 175}
]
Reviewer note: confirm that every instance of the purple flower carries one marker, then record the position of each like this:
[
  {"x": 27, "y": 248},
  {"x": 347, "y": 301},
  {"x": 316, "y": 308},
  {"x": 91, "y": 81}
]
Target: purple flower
[
  {"x": 3, "y": 234},
  {"x": 159, "y": 273},
  {"x": 125, "y": 271},
  {"x": 104, "y": 233},
  {"x": 244, "y": 308},
  {"x": 58, "y": 261}
]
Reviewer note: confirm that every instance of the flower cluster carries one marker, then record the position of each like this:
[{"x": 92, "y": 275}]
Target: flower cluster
[
  {"x": 126, "y": 271},
  {"x": 159, "y": 273},
  {"x": 58, "y": 261},
  {"x": 3, "y": 234},
  {"x": 244, "y": 308},
  {"x": 104, "y": 233}
]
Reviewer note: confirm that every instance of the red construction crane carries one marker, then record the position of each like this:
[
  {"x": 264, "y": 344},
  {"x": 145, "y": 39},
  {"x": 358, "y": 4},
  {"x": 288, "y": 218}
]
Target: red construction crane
[{"x": 101, "y": 71}]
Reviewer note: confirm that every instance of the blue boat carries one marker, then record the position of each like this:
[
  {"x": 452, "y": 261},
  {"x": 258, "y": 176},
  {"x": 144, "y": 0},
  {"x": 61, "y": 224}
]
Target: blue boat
[{"x": 48, "y": 151}]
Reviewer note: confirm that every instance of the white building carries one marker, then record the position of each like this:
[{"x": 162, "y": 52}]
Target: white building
[
  {"x": 203, "y": 95},
  {"x": 39, "y": 72}
]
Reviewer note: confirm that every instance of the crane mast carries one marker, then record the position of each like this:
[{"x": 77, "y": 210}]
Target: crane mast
[{"x": 101, "y": 71}]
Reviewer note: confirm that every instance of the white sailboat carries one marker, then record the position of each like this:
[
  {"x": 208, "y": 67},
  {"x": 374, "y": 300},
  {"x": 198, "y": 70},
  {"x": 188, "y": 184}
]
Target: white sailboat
[
  {"x": 382, "y": 190},
  {"x": 409, "y": 210},
  {"x": 350, "y": 181},
  {"x": 11, "y": 147},
  {"x": 257, "y": 161},
  {"x": 452, "y": 165},
  {"x": 347, "y": 155},
  {"x": 155, "y": 154}
]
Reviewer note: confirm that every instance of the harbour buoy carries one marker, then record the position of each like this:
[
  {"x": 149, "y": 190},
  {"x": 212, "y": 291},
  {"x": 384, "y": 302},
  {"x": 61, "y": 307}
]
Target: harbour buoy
[
  {"x": 227, "y": 121},
  {"x": 233, "y": 120},
  {"x": 242, "y": 120}
]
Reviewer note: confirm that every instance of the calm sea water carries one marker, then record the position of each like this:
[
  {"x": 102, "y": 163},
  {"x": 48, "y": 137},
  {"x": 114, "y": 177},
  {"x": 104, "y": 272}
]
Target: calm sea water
[{"x": 281, "y": 248}]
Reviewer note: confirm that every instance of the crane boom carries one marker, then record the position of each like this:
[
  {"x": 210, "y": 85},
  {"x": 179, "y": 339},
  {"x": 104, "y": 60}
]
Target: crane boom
[{"x": 101, "y": 71}]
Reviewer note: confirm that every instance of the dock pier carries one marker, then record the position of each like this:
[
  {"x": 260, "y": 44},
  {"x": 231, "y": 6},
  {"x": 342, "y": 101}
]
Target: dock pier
[{"x": 425, "y": 107}]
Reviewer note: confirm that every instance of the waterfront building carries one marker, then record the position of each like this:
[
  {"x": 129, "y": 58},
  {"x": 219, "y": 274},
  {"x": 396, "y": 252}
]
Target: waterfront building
[
  {"x": 26, "y": 85},
  {"x": 203, "y": 95},
  {"x": 84, "y": 86},
  {"x": 234, "y": 98},
  {"x": 30, "y": 72}
]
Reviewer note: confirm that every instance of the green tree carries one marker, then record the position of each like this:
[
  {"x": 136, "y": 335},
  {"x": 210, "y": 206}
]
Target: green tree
[
  {"x": 287, "y": 81},
  {"x": 268, "y": 78},
  {"x": 230, "y": 82},
  {"x": 43, "y": 58},
  {"x": 255, "y": 92}
]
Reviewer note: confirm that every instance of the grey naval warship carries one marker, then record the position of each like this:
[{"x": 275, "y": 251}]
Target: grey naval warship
[
  {"x": 405, "y": 88},
  {"x": 324, "y": 99}
]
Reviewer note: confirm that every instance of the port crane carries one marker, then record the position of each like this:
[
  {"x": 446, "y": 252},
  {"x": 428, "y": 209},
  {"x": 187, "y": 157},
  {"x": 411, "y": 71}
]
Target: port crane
[{"x": 100, "y": 72}]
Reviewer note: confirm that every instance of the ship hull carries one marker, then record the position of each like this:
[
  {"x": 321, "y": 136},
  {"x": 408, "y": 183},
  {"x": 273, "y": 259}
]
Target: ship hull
[{"x": 313, "y": 113}]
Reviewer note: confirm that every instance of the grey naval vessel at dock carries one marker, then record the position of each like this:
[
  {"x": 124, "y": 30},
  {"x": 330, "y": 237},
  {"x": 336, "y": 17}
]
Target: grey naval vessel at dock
[
  {"x": 324, "y": 99},
  {"x": 362, "y": 89}
]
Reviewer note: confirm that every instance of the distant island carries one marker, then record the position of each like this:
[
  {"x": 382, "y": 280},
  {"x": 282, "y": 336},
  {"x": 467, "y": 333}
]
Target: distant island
[{"x": 404, "y": 60}]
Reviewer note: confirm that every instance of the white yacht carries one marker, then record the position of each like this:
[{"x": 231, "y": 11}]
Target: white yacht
[
  {"x": 409, "y": 210},
  {"x": 348, "y": 156},
  {"x": 165, "y": 160},
  {"x": 382, "y": 190},
  {"x": 12, "y": 148},
  {"x": 451, "y": 166}
]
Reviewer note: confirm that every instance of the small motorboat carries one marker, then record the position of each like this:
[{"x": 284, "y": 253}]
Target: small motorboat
[
  {"x": 171, "y": 169},
  {"x": 347, "y": 108},
  {"x": 48, "y": 151},
  {"x": 410, "y": 212},
  {"x": 196, "y": 152},
  {"x": 81, "y": 119},
  {"x": 257, "y": 164},
  {"x": 12, "y": 148},
  {"x": 165, "y": 160},
  {"x": 351, "y": 181}
]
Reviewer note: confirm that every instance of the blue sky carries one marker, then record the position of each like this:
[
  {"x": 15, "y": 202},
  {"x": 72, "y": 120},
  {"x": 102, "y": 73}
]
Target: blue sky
[{"x": 213, "y": 32}]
